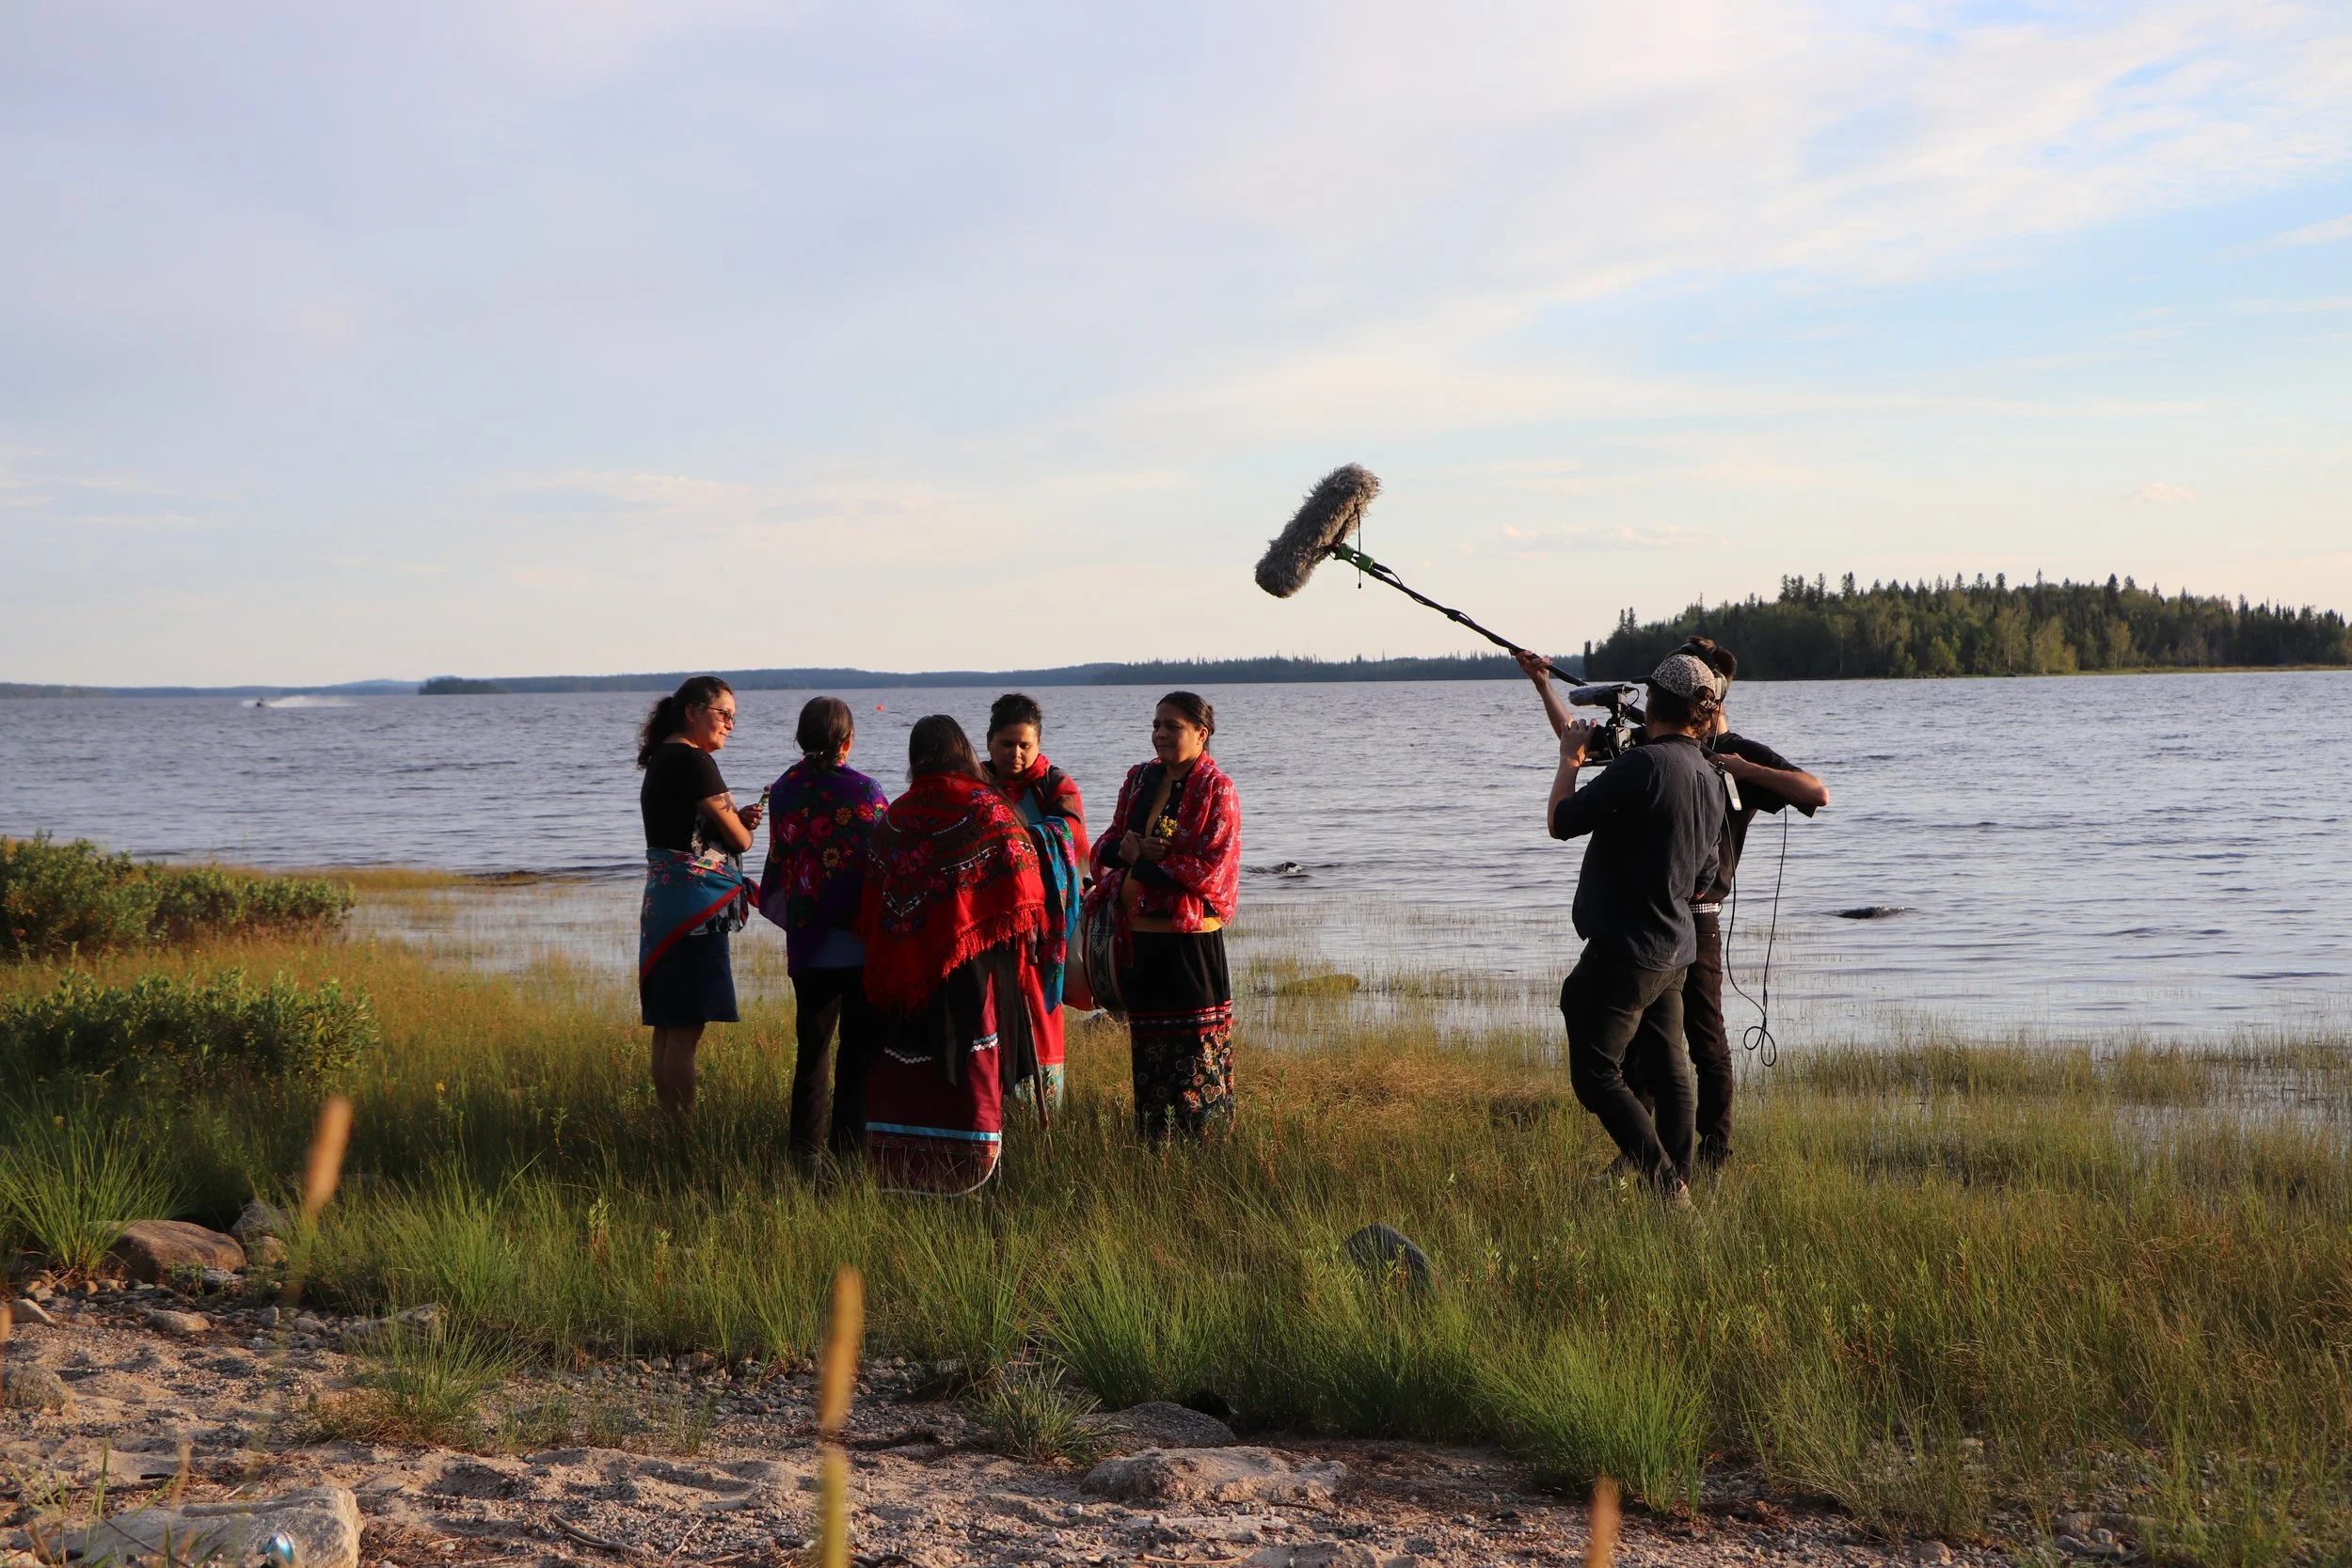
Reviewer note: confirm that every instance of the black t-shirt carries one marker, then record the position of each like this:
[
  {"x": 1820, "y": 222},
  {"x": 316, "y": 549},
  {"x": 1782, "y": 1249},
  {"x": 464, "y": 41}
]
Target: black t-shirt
[
  {"x": 677, "y": 780},
  {"x": 1657, "y": 818},
  {"x": 1753, "y": 799}
]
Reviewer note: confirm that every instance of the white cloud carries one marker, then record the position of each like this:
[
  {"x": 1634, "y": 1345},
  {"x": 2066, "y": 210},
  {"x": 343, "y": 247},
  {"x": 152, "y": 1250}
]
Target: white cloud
[
  {"x": 2329, "y": 232},
  {"x": 935, "y": 300}
]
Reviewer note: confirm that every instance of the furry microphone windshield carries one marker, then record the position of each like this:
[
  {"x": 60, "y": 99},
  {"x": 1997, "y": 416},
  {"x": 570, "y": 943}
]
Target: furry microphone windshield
[{"x": 1327, "y": 516}]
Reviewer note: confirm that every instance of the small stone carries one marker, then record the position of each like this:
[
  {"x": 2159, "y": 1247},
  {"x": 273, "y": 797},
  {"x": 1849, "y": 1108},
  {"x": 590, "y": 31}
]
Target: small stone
[
  {"x": 152, "y": 1249},
  {"x": 1386, "y": 1253},
  {"x": 1929, "y": 1552},
  {"x": 373, "y": 1331},
  {"x": 219, "y": 1280},
  {"x": 34, "y": 1388},
  {"x": 28, "y": 1310},
  {"x": 701, "y": 1361},
  {"x": 1232, "y": 1474},
  {"x": 267, "y": 1316},
  {"x": 185, "y": 1324},
  {"x": 257, "y": 1219}
]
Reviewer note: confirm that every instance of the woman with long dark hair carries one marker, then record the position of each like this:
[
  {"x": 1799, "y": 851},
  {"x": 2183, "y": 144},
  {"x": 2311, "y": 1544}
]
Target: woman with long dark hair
[
  {"x": 822, "y": 814},
  {"x": 1169, "y": 873},
  {"x": 952, "y": 907},
  {"x": 1049, "y": 806},
  {"x": 695, "y": 893}
]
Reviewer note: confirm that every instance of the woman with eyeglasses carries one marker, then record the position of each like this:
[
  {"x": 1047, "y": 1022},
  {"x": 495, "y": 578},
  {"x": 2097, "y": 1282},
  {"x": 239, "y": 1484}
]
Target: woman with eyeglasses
[{"x": 696, "y": 893}]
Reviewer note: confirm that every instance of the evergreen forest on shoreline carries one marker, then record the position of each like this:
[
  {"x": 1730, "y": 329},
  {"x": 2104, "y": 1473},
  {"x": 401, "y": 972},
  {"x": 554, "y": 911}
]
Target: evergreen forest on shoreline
[
  {"x": 1895, "y": 629},
  {"x": 1811, "y": 631}
]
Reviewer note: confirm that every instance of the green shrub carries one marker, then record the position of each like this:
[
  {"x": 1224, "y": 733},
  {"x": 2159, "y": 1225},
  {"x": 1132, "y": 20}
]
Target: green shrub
[
  {"x": 1592, "y": 1406},
  {"x": 62, "y": 898},
  {"x": 159, "y": 1027},
  {"x": 70, "y": 1182},
  {"x": 420, "y": 1385},
  {"x": 1031, "y": 1414},
  {"x": 1130, "y": 1332}
]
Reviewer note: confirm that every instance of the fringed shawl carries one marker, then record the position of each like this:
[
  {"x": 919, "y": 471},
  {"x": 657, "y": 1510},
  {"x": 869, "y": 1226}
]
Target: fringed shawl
[
  {"x": 1202, "y": 865},
  {"x": 688, "y": 896},
  {"x": 950, "y": 873},
  {"x": 819, "y": 817},
  {"x": 1048, "y": 804}
]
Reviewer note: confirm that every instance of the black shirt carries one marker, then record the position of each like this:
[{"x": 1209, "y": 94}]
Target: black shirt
[
  {"x": 1753, "y": 799},
  {"x": 1656, "y": 817},
  {"x": 677, "y": 780}
]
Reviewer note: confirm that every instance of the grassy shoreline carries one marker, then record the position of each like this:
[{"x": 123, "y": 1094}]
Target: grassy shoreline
[{"x": 1957, "y": 1287}]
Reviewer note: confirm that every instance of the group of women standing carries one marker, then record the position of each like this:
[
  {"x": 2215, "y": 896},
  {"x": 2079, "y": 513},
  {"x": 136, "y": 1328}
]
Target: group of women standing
[{"x": 933, "y": 941}]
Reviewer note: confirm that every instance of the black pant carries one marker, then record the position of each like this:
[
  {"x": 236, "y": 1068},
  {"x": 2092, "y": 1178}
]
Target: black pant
[
  {"x": 824, "y": 999},
  {"x": 1709, "y": 1040},
  {"x": 1622, "y": 1017}
]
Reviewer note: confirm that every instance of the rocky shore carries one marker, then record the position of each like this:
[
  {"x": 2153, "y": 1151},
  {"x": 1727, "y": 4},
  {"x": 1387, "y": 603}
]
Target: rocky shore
[{"x": 194, "y": 1410}]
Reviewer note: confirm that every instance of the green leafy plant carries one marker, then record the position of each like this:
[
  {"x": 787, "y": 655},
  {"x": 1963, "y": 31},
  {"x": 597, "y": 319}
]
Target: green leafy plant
[
  {"x": 159, "y": 1025},
  {"x": 60, "y": 899}
]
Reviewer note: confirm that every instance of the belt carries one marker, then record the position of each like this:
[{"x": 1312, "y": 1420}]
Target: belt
[{"x": 1706, "y": 909}]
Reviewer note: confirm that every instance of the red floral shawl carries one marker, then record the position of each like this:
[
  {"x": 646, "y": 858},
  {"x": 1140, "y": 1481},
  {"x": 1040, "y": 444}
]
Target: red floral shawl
[
  {"x": 1203, "y": 858},
  {"x": 950, "y": 873}
]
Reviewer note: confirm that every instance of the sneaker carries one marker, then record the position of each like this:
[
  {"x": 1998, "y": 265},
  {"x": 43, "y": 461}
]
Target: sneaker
[
  {"x": 1677, "y": 1198},
  {"x": 1619, "y": 1172}
]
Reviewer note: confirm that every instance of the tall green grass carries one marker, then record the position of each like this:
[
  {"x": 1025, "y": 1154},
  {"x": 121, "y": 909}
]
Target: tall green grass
[
  {"x": 57, "y": 899},
  {"x": 71, "y": 1179},
  {"x": 1961, "y": 1288}
]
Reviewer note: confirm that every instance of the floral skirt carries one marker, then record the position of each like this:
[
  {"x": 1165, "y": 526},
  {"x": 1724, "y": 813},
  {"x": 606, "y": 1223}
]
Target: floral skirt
[{"x": 1180, "y": 1023}]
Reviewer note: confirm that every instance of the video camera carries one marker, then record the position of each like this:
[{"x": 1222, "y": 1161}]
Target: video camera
[{"x": 1620, "y": 731}]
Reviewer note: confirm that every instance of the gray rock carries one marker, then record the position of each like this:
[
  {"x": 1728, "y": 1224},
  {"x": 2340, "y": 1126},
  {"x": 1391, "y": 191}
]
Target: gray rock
[
  {"x": 1214, "y": 1527},
  {"x": 152, "y": 1249},
  {"x": 220, "y": 1279},
  {"x": 28, "y": 1310},
  {"x": 185, "y": 1324},
  {"x": 1212, "y": 1476},
  {"x": 370, "y": 1332},
  {"x": 34, "y": 1388},
  {"x": 257, "y": 1219},
  {"x": 1160, "y": 1425},
  {"x": 1317, "y": 1554},
  {"x": 1386, "y": 1252},
  {"x": 323, "y": 1523}
]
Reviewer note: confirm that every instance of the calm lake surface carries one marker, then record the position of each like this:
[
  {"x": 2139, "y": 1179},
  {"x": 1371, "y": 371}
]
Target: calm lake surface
[{"x": 2071, "y": 856}]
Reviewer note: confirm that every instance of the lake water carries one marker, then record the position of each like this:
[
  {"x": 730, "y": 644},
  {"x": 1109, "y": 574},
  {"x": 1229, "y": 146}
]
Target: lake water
[{"x": 2073, "y": 856}]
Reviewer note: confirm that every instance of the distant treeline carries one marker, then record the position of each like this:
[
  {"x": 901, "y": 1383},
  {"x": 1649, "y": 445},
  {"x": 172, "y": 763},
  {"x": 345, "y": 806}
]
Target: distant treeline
[
  {"x": 1172, "y": 673},
  {"x": 1815, "y": 632}
]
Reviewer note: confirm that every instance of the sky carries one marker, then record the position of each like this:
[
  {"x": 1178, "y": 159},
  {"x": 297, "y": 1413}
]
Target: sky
[{"x": 515, "y": 337}]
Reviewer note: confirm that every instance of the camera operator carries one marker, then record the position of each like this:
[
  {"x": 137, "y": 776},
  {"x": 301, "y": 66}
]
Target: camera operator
[
  {"x": 1657, "y": 818},
  {"x": 1768, "y": 781}
]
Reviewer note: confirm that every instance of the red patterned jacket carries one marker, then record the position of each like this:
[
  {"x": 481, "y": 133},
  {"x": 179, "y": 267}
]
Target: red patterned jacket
[{"x": 1204, "y": 860}]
